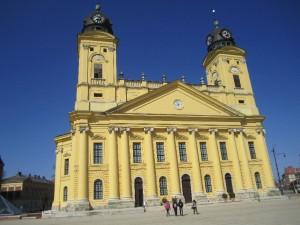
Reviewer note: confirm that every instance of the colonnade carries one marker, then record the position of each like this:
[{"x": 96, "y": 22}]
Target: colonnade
[{"x": 242, "y": 174}]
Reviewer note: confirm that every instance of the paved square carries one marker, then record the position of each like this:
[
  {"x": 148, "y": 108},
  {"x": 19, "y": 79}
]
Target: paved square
[{"x": 273, "y": 212}]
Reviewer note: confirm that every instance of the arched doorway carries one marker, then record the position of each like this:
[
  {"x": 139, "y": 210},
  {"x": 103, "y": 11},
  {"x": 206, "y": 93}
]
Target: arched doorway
[
  {"x": 186, "y": 188},
  {"x": 228, "y": 183},
  {"x": 138, "y": 189}
]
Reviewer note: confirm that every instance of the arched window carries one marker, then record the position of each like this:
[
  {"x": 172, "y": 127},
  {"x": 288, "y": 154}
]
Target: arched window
[
  {"x": 163, "y": 186},
  {"x": 207, "y": 182},
  {"x": 65, "y": 194},
  {"x": 258, "y": 180},
  {"x": 98, "y": 189}
]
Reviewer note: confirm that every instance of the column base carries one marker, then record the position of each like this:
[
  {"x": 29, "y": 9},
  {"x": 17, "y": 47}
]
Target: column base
[
  {"x": 153, "y": 201},
  {"x": 273, "y": 191},
  {"x": 114, "y": 203},
  {"x": 55, "y": 206},
  {"x": 82, "y": 205},
  {"x": 127, "y": 202},
  {"x": 70, "y": 206},
  {"x": 200, "y": 197}
]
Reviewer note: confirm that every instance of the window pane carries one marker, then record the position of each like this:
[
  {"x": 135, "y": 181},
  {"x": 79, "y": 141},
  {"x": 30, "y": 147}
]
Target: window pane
[
  {"x": 237, "y": 82},
  {"x": 258, "y": 181},
  {"x": 163, "y": 186},
  {"x": 137, "y": 157},
  {"x": 160, "y": 152},
  {"x": 252, "y": 150},
  {"x": 98, "y": 71},
  {"x": 223, "y": 151},
  {"x": 66, "y": 166},
  {"x": 98, "y": 153},
  {"x": 65, "y": 194},
  {"x": 98, "y": 190},
  {"x": 203, "y": 151},
  {"x": 207, "y": 182},
  {"x": 182, "y": 151}
]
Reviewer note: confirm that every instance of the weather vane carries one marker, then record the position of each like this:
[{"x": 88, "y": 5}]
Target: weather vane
[{"x": 216, "y": 22}]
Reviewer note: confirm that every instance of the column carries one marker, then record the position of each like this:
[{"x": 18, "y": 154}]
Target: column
[
  {"x": 238, "y": 179},
  {"x": 262, "y": 148},
  {"x": 152, "y": 198},
  {"x": 174, "y": 172},
  {"x": 244, "y": 161},
  {"x": 82, "y": 199},
  {"x": 216, "y": 162},
  {"x": 113, "y": 167},
  {"x": 125, "y": 168},
  {"x": 70, "y": 205},
  {"x": 197, "y": 179},
  {"x": 57, "y": 188}
]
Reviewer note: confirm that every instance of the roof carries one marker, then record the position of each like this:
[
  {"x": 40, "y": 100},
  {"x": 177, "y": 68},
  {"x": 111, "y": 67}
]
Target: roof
[
  {"x": 19, "y": 178},
  {"x": 7, "y": 208}
]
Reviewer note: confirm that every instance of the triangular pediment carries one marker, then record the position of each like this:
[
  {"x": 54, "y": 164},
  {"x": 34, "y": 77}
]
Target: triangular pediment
[{"x": 162, "y": 101}]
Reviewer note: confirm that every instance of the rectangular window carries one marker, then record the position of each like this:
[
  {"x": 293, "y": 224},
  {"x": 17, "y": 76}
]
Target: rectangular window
[
  {"x": 160, "y": 151},
  {"x": 182, "y": 151},
  {"x": 203, "y": 151},
  {"x": 252, "y": 150},
  {"x": 223, "y": 151},
  {"x": 237, "y": 82},
  {"x": 66, "y": 166},
  {"x": 137, "y": 156},
  {"x": 98, "y": 153},
  {"x": 98, "y": 70}
]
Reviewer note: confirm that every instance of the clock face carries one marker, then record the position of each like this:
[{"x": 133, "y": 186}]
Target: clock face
[
  {"x": 234, "y": 69},
  {"x": 209, "y": 40},
  {"x": 178, "y": 104},
  {"x": 226, "y": 34},
  {"x": 97, "y": 18},
  {"x": 214, "y": 75}
]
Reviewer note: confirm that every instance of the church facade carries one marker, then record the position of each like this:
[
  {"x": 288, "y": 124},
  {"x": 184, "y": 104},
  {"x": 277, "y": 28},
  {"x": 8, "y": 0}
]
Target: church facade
[{"x": 140, "y": 141}]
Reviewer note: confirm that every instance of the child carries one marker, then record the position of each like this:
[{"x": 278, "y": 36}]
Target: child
[{"x": 167, "y": 207}]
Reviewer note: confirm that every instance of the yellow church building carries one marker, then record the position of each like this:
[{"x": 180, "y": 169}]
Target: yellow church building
[{"x": 136, "y": 141}]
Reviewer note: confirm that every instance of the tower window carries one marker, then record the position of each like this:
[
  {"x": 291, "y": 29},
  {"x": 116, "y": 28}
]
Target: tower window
[
  {"x": 91, "y": 49},
  {"x": 105, "y": 50},
  {"x": 66, "y": 166},
  {"x": 252, "y": 150},
  {"x": 241, "y": 101},
  {"x": 98, "y": 71},
  {"x": 237, "y": 82},
  {"x": 98, "y": 95}
]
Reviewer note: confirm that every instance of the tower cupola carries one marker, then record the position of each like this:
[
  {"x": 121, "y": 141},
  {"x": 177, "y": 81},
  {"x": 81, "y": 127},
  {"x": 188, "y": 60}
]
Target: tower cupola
[
  {"x": 219, "y": 38},
  {"x": 97, "y": 21}
]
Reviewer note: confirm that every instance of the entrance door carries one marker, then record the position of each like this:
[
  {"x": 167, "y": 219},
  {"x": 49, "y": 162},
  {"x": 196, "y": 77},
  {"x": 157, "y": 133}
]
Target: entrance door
[
  {"x": 186, "y": 188},
  {"x": 138, "y": 189},
  {"x": 228, "y": 183}
]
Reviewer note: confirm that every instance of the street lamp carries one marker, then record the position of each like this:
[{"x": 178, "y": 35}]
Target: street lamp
[{"x": 279, "y": 179}]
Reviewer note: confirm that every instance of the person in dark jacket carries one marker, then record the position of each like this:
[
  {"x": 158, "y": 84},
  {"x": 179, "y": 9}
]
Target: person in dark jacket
[
  {"x": 174, "y": 205},
  {"x": 180, "y": 205}
]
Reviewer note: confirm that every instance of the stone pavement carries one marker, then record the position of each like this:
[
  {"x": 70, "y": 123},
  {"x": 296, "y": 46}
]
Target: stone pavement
[{"x": 272, "y": 212}]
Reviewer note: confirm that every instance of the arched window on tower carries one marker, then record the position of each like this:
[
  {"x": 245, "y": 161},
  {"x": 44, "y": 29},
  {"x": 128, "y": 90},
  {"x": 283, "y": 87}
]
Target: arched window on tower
[
  {"x": 207, "y": 182},
  {"x": 163, "y": 186},
  {"x": 65, "y": 194},
  {"x": 258, "y": 180},
  {"x": 237, "y": 82},
  {"x": 98, "y": 189},
  {"x": 98, "y": 70}
]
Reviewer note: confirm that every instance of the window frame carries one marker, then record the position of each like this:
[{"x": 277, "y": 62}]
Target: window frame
[
  {"x": 163, "y": 186},
  {"x": 237, "y": 81},
  {"x": 182, "y": 151},
  {"x": 203, "y": 151},
  {"x": 98, "y": 189},
  {"x": 223, "y": 150},
  {"x": 252, "y": 150},
  {"x": 207, "y": 182},
  {"x": 98, "y": 71},
  {"x": 67, "y": 167},
  {"x": 65, "y": 194},
  {"x": 160, "y": 151},
  {"x": 258, "y": 180},
  {"x": 137, "y": 152},
  {"x": 98, "y": 153}
]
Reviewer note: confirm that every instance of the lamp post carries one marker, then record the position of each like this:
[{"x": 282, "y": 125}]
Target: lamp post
[{"x": 279, "y": 179}]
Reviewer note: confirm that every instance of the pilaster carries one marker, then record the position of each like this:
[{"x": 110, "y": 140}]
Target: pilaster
[{"x": 57, "y": 187}]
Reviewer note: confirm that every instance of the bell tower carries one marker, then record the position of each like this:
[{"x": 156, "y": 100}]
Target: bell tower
[
  {"x": 226, "y": 69},
  {"x": 97, "y": 77}
]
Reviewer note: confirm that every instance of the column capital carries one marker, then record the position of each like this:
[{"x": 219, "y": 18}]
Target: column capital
[
  {"x": 83, "y": 128},
  {"x": 126, "y": 129},
  {"x": 213, "y": 130},
  {"x": 236, "y": 130},
  {"x": 58, "y": 150},
  {"x": 171, "y": 129},
  {"x": 73, "y": 131},
  {"x": 192, "y": 130},
  {"x": 148, "y": 129},
  {"x": 110, "y": 129},
  {"x": 261, "y": 130},
  {"x": 85, "y": 47}
]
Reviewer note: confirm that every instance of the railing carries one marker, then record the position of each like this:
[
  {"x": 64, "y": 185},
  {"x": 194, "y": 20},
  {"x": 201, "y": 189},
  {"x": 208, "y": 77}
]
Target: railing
[
  {"x": 98, "y": 81},
  {"x": 133, "y": 83}
]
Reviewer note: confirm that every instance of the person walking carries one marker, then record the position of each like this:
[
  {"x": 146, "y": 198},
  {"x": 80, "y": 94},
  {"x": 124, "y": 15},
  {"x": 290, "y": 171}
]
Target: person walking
[
  {"x": 180, "y": 205},
  {"x": 194, "y": 207},
  {"x": 167, "y": 207},
  {"x": 175, "y": 206}
]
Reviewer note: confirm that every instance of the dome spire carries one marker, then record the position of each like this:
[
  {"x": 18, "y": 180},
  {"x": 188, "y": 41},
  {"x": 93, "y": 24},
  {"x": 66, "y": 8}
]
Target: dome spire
[
  {"x": 98, "y": 7},
  {"x": 216, "y": 22}
]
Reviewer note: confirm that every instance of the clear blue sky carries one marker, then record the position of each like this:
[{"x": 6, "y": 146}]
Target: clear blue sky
[{"x": 38, "y": 64}]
